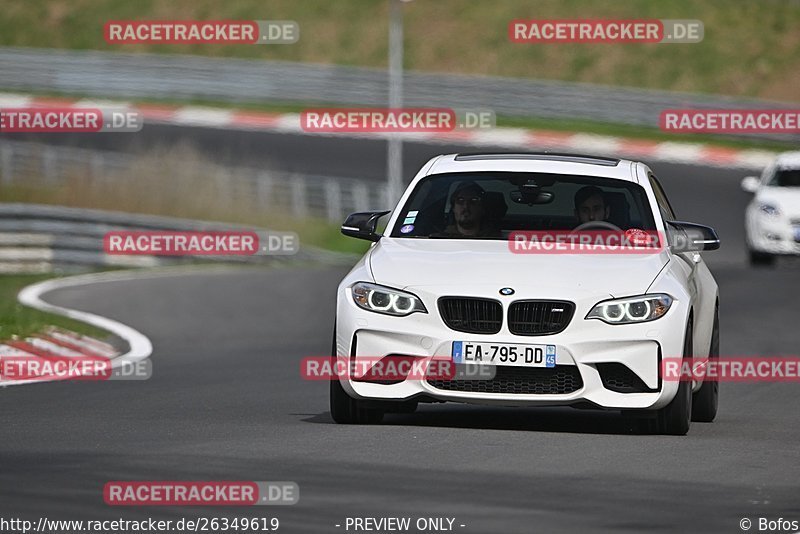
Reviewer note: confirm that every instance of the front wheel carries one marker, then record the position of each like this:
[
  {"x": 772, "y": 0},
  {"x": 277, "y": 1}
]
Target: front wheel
[
  {"x": 761, "y": 259},
  {"x": 345, "y": 409},
  {"x": 675, "y": 417},
  {"x": 705, "y": 401}
]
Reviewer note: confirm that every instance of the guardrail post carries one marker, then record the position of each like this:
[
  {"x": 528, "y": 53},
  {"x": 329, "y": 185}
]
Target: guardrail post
[
  {"x": 49, "y": 166},
  {"x": 264, "y": 186},
  {"x": 385, "y": 196},
  {"x": 360, "y": 193},
  {"x": 333, "y": 199},
  {"x": 225, "y": 185},
  {"x": 299, "y": 205},
  {"x": 97, "y": 165},
  {"x": 6, "y": 164}
]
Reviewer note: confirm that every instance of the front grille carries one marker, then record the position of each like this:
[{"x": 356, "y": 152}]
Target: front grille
[
  {"x": 539, "y": 317},
  {"x": 618, "y": 377},
  {"x": 558, "y": 380},
  {"x": 472, "y": 315}
]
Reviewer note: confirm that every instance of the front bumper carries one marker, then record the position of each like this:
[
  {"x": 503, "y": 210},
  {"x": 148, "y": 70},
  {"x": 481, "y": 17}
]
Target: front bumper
[
  {"x": 584, "y": 346},
  {"x": 776, "y": 235}
]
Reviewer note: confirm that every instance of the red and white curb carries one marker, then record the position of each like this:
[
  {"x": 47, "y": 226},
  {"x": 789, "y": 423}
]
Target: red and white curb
[
  {"x": 59, "y": 343},
  {"x": 513, "y": 138},
  {"x": 52, "y": 347}
]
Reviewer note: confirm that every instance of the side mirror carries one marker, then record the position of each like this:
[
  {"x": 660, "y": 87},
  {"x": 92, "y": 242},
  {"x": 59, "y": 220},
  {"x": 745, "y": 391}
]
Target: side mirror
[
  {"x": 362, "y": 225},
  {"x": 750, "y": 184},
  {"x": 691, "y": 237}
]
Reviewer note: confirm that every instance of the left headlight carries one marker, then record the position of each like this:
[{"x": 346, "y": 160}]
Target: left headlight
[
  {"x": 770, "y": 210},
  {"x": 632, "y": 310},
  {"x": 380, "y": 299}
]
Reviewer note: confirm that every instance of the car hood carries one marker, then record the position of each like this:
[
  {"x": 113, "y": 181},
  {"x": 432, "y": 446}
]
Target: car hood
[
  {"x": 446, "y": 263},
  {"x": 787, "y": 199}
]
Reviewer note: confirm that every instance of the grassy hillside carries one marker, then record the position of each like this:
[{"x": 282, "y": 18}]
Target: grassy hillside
[{"x": 751, "y": 48}]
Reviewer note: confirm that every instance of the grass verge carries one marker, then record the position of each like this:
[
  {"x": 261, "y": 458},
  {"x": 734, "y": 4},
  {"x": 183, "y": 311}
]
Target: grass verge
[
  {"x": 16, "y": 319},
  {"x": 749, "y": 48}
]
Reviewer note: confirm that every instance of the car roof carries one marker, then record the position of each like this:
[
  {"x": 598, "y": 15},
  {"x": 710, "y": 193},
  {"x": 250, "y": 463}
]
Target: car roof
[
  {"x": 575, "y": 164},
  {"x": 788, "y": 160}
]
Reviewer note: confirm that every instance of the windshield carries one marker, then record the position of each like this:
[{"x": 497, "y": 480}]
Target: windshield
[
  {"x": 785, "y": 178},
  {"x": 492, "y": 205}
]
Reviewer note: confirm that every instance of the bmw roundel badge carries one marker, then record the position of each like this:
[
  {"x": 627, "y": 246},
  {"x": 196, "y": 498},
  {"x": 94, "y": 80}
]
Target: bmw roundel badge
[{"x": 506, "y": 291}]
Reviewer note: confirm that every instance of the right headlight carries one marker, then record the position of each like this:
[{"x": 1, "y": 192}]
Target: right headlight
[
  {"x": 632, "y": 309},
  {"x": 386, "y": 300}
]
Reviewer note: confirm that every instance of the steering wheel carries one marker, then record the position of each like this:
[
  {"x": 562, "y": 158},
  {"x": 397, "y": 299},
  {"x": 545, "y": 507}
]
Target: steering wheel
[{"x": 602, "y": 225}]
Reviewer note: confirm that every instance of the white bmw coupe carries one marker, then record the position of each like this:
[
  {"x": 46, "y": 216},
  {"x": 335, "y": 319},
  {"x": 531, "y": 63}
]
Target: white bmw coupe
[
  {"x": 772, "y": 220},
  {"x": 584, "y": 326}
]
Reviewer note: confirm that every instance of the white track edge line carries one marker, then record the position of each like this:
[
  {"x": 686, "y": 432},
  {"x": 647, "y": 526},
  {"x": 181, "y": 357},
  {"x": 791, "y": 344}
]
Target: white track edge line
[{"x": 139, "y": 345}]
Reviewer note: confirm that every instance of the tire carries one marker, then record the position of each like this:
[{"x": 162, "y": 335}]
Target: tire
[
  {"x": 675, "y": 418},
  {"x": 761, "y": 259},
  {"x": 346, "y": 410},
  {"x": 705, "y": 401}
]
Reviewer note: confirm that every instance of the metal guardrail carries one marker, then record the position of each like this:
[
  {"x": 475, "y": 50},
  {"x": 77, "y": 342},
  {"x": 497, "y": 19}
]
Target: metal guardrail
[
  {"x": 297, "y": 195},
  {"x": 101, "y": 74},
  {"x": 37, "y": 238}
]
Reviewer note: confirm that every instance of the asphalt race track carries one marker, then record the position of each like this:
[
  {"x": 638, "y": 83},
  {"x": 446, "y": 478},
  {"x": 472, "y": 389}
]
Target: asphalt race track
[{"x": 226, "y": 402}]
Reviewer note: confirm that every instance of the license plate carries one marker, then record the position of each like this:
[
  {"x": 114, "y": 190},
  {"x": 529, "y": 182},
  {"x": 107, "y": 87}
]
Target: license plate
[{"x": 504, "y": 354}]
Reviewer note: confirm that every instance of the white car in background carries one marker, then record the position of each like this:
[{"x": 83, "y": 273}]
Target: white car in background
[
  {"x": 772, "y": 219},
  {"x": 604, "y": 321}
]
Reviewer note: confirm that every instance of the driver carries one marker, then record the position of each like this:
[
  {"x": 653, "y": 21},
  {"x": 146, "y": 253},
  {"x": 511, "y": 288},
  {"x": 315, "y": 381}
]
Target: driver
[
  {"x": 468, "y": 206},
  {"x": 590, "y": 205}
]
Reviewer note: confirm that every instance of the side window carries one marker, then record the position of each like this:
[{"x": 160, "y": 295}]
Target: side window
[{"x": 661, "y": 198}]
